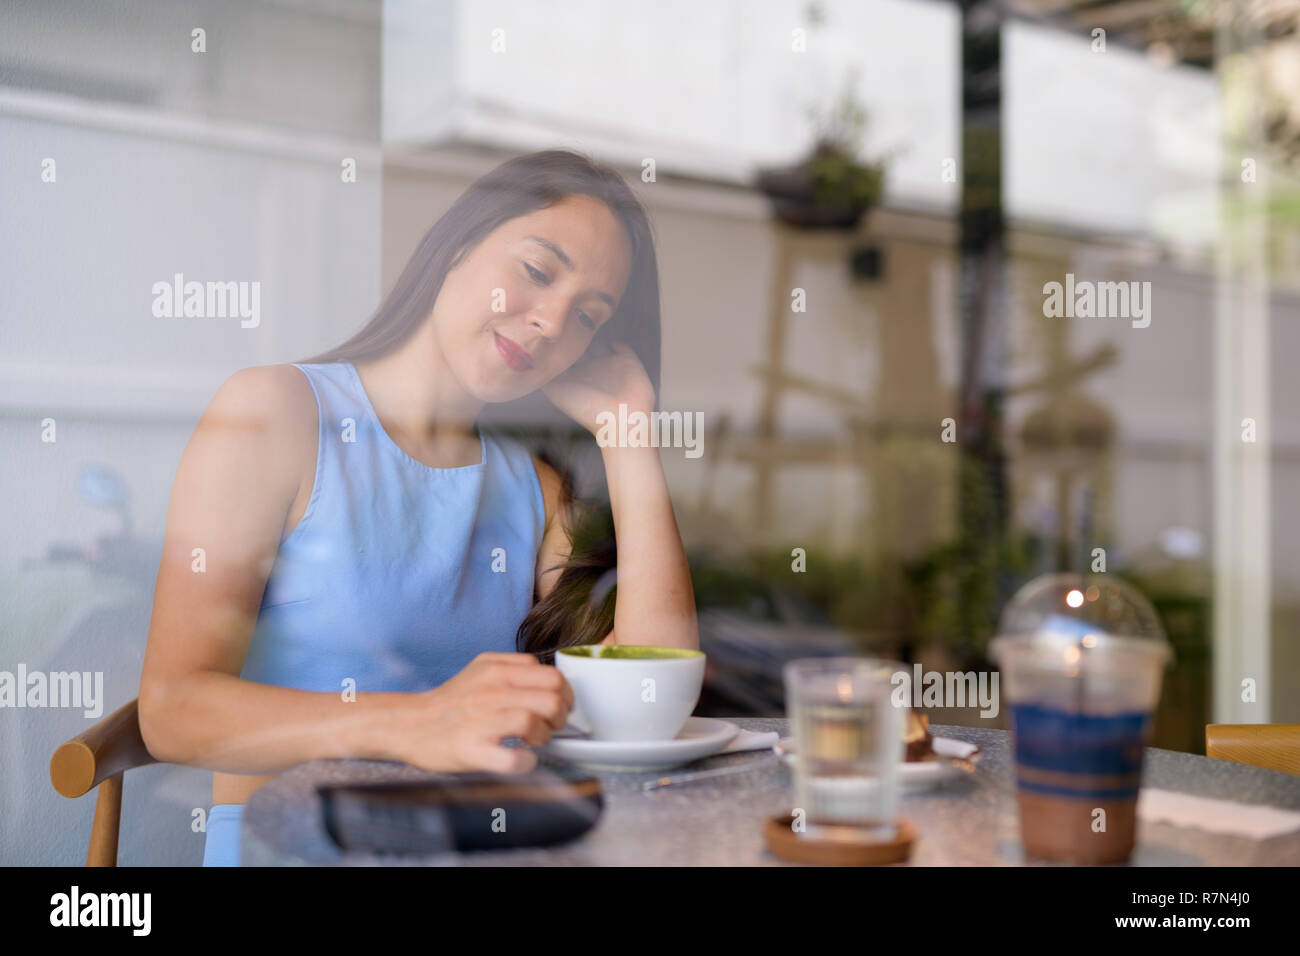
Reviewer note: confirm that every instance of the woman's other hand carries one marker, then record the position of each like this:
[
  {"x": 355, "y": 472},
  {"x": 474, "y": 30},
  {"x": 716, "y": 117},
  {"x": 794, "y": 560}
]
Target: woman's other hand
[
  {"x": 459, "y": 725},
  {"x": 608, "y": 377}
]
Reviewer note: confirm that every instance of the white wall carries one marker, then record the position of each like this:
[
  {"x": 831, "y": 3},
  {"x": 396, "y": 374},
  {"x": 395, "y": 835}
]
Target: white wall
[
  {"x": 708, "y": 89},
  {"x": 1108, "y": 141}
]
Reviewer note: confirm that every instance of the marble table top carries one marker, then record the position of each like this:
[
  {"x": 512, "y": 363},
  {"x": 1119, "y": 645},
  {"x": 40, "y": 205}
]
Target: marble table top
[{"x": 718, "y": 821}]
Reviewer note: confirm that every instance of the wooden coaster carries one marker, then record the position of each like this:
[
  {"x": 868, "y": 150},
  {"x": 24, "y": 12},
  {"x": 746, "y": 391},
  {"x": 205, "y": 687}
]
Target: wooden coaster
[{"x": 841, "y": 847}]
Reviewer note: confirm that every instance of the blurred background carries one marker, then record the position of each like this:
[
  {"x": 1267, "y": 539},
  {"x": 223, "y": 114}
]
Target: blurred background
[{"x": 857, "y": 205}]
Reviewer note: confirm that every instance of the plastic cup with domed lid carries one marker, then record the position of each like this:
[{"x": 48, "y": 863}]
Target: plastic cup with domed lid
[{"x": 1082, "y": 658}]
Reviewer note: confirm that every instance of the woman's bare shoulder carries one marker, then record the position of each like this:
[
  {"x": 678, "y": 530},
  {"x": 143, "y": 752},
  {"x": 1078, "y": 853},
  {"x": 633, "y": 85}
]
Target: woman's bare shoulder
[
  {"x": 272, "y": 406},
  {"x": 276, "y": 397}
]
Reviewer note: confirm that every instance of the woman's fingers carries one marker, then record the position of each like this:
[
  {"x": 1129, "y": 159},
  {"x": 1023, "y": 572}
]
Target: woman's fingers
[
  {"x": 504, "y": 657},
  {"x": 521, "y": 722},
  {"x": 498, "y": 759},
  {"x": 546, "y": 705},
  {"x": 535, "y": 675},
  {"x": 506, "y": 695}
]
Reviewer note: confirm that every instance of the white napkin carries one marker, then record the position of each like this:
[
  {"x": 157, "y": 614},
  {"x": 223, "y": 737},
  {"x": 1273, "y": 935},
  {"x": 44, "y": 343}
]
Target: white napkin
[
  {"x": 951, "y": 747},
  {"x": 1216, "y": 816},
  {"x": 751, "y": 740}
]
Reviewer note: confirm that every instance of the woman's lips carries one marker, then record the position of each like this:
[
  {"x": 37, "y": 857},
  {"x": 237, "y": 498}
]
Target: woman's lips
[{"x": 514, "y": 356}]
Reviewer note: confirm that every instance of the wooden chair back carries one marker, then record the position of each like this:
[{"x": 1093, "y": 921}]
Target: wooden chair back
[
  {"x": 1274, "y": 746},
  {"x": 98, "y": 757}
]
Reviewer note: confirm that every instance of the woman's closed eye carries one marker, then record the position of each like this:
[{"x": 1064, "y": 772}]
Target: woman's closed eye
[{"x": 540, "y": 278}]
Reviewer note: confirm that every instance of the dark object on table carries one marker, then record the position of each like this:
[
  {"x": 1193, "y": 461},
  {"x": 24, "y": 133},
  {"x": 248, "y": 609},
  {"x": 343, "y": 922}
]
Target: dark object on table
[{"x": 462, "y": 812}]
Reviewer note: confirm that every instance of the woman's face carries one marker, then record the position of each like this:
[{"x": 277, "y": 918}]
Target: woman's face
[{"x": 526, "y": 302}]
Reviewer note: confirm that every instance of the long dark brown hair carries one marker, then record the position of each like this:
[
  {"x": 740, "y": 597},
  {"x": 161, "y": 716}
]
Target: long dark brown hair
[{"x": 580, "y": 608}]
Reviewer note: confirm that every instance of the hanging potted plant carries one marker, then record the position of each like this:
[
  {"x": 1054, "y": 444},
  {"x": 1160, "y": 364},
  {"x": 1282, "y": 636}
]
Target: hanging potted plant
[{"x": 832, "y": 188}]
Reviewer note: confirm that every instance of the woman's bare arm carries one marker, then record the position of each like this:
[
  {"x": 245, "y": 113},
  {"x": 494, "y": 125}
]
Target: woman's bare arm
[
  {"x": 232, "y": 491},
  {"x": 656, "y": 601}
]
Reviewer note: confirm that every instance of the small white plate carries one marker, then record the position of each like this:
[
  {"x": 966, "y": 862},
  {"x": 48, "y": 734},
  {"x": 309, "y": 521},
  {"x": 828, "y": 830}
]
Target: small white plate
[
  {"x": 917, "y": 776},
  {"x": 700, "y": 737}
]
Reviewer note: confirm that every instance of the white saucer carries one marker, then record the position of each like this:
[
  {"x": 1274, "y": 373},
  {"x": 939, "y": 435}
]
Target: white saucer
[
  {"x": 700, "y": 737},
  {"x": 917, "y": 776}
]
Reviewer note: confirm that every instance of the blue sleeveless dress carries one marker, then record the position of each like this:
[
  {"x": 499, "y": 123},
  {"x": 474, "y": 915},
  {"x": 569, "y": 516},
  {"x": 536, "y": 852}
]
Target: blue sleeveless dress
[{"x": 398, "y": 574}]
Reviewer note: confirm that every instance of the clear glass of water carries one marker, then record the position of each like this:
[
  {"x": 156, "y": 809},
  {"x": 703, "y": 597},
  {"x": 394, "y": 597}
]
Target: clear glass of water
[{"x": 848, "y": 738}]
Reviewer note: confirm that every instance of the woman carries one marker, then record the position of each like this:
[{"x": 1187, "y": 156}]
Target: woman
[{"x": 351, "y": 564}]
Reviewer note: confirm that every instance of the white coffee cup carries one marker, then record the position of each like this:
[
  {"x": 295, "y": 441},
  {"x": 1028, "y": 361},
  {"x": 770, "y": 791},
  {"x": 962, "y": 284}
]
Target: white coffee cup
[{"x": 620, "y": 695}]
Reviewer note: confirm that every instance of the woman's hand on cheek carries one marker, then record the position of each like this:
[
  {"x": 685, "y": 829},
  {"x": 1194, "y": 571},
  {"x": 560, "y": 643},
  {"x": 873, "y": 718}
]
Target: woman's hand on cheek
[{"x": 603, "y": 379}]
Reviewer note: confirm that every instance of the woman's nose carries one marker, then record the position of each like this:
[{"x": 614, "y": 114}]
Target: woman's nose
[{"x": 548, "y": 320}]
